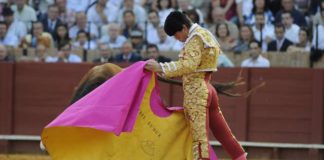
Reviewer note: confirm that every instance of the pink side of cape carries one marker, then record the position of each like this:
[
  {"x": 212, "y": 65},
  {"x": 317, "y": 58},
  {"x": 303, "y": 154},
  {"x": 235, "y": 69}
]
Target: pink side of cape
[{"x": 113, "y": 106}]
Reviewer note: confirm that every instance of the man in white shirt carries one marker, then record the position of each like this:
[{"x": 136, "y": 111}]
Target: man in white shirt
[
  {"x": 166, "y": 42},
  {"x": 292, "y": 29},
  {"x": 318, "y": 37},
  {"x": 152, "y": 28},
  {"x": 244, "y": 9},
  {"x": 82, "y": 24},
  {"x": 267, "y": 31},
  {"x": 256, "y": 59},
  {"x": 78, "y": 5},
  {"x": 138, "y": 10},
  {"x": 5, "y": 38},
  {"x": 114, "y": 39},
  {"x": 65, "y": 55},
  {"x": 102, "y": 13},
  {"x": 15, "y": 28},
  {"x": 23, "y": 12}
]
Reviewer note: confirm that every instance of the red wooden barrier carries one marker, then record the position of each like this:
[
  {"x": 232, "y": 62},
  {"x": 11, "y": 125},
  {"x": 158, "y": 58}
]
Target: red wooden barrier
[{"x": 6, "y": 102}]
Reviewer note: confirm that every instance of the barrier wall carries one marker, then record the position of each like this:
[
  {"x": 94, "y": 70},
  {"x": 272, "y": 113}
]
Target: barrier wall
[{"x": 288, "y": 109}]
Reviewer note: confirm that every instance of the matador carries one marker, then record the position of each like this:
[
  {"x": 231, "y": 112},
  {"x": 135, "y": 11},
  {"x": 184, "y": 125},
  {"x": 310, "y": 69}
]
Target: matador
[{"x": 197, "y": 61}]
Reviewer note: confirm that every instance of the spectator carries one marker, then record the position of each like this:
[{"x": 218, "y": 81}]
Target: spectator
[
  {"x": 185, "y": 5},
  {"x": 228, "y": 6},
  {"x": 15, "y": 28},
  {"x": 226, "y": 42},
  {"x": 255, "y": 59},
  {"x": 164, "y": 9},
  {"x": 23, "y": 12},
  {"x": 315, "y": 6},
  {"x": 194, "y": 17},
  {"x": 302, "y": 6},
  {"x": 65, "y": 55},
  {"x": 78, "y": 6},
  {"x": 41, "y": 53},
  {"x": 224, "y": 61},
  {"x": 280, "y": 44},
  {"x": 319, "y": 17},
  {"x": 5, "y": 38},
  {"x": 246, "y": 36},
  {"x": 266, "y": 30},
  {"x": 137, "y": 41},
  {"x": 288, "y": 5},
  {"x": 38, "y": 33},
  {"x": 304, "y": 44},
  {"x": 166, "y": 43},
  {"x": 61, "y": 35},
  {"x": 130, "y": 23},
  {"x": 51, "y": 20},
  {"x": 114, "y": 39},
  {"x": 260, "y": 6},
  {"x": 152, "y": 28},
  {"x": 154, "y": 53},
  {"x": 101, "y": 13},
  {"x": 291, "y": 29},
  {"x": 139, "y": 12},
  {"x": 82, "y": 24},
  {"x": 218, "y": 16},
  {"x": 83, "y": 41},
  {"x": 273, "y": 5},
  {"x": 127, "y": 54},
  {"x": 318, "y": 37},
  {"x": 4, "y": 56},
  {"x": 66, "y": 15},
  {"x": 41, "y": 6},
  {"x": 243, "y": 9},
  {"x": 105, "y": 54}
]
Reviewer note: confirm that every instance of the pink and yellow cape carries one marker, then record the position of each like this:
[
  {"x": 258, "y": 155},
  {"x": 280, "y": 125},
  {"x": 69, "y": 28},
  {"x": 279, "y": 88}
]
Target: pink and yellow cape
[{"x": 122, "y": 119}]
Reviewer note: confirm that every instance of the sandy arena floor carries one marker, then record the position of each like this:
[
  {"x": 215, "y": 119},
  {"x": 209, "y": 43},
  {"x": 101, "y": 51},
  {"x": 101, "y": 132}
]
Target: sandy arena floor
[{"x": 23, "y": 157}]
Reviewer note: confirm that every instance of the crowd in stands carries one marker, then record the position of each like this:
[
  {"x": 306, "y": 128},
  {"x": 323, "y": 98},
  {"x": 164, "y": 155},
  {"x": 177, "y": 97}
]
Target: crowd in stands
[{"x": 132, "y": 30}]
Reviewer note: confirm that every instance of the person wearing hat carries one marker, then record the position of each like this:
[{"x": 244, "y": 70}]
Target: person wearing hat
[
  {"x": 137, "y": 40},
  {"x": 197, "y": 61}
]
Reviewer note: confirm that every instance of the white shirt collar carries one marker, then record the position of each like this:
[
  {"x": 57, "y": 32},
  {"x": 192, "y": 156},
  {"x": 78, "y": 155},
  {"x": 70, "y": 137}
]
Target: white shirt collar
[{"x": 193, "y": 27}]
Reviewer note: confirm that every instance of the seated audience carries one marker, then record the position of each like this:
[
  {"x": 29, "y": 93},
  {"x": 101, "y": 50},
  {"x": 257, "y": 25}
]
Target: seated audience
[
  {"x": 280, "y": 44},
  {"x": 129, "y": 24},
  {"x": 304, "y": 45},
  {"x": 61, "y": 35},
  {"x": 137, "y": 40},
  {"x": 41, "y": 53},
  {"x": 4, "y": 56},
  {"x": 246, "y": 36},
  {"x": 65, "y": 55},
  {"x": 225, "y": 41},
  {"x": 127, "y": 54},
  {"x": 154, "y": 53},
  {"x": 114, "y": 39},
  {"x": 83, "y": 41},
  {"x": 5, "y": 38},
  {"x": 38, "y": 33},
  {"x": 105, "y": 54},
  {"x": 292, "y": 29},
  {"x": 255, "y": 59},
  {"x": 15, "y": 27}
]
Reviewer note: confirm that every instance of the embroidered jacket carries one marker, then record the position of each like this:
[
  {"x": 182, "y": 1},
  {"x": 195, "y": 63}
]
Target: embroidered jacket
[{"x": 199, "y": 54}]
